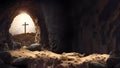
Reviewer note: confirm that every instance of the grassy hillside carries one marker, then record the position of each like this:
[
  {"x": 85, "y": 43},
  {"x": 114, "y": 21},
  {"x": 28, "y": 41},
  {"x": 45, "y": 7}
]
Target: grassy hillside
[{"x": 24, "y": 39}]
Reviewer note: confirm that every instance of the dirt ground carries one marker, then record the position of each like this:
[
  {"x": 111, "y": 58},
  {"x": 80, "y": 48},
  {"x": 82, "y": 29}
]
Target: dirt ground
[{"x": 48, "y": 59}]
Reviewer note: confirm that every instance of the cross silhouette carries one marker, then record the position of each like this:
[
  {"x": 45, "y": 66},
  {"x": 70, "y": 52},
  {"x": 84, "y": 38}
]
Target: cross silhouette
[{"x": 25, "y": 24}]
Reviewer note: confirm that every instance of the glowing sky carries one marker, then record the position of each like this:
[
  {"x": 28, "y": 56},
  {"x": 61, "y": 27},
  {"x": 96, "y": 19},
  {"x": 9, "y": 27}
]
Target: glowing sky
[{"x": 17, "y": 24}]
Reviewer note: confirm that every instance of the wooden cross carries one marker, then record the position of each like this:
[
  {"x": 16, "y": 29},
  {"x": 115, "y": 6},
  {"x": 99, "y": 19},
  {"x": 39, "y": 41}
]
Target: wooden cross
[{"x": 25, "y": 24}]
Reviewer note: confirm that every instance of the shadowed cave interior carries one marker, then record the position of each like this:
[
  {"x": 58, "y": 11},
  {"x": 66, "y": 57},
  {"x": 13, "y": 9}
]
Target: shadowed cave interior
[{"x": 67, "y": 34}]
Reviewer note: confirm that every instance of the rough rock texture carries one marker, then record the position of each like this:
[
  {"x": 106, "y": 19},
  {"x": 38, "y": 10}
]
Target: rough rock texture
[
  {"x": 47, "y": 59},
  {"x": 13, "y": 8},
  {"x": 34, "y": 47},
  {"x": 114, "y": 59},
  {"x": 5, "y": 56},
  {"x": 83, "y": 26}
]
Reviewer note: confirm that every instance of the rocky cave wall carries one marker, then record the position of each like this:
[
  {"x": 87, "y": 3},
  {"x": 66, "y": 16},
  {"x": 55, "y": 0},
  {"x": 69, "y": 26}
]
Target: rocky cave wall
[
  {"x": 10, "y": 9},
  {"x": 95, "y": 25},
  {"x": 83, "y": 26}
]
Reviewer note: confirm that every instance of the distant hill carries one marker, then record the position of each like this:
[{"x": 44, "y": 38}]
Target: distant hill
[{"x": 24, "y": 39}]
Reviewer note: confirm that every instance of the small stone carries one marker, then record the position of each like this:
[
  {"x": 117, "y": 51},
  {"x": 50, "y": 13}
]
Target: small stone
[
  {"x": 24, "y": 47},
  {"x": 34, "y": 47},
  {"x": 16, "y": 45}
]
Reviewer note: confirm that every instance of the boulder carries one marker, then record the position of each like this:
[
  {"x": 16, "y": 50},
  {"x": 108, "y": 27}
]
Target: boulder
[
  {"x": 4, "y": 46},
  {"x": 5, "y": 56},
  {"x": 114, "y": 59},
  {"x": 19, "y": 62},
  {"x": 34, "y": 47},
  {"x": 112, "y": 62},
  {"x": 16, "y": 45}
]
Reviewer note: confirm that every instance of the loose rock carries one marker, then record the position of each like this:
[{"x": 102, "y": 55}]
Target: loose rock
[
  {"x": 5, "y": 56},
  {"x": 34, "y": 47},
  {"x": 19, "y": 62},
  {"x": 114, "y": 59}
]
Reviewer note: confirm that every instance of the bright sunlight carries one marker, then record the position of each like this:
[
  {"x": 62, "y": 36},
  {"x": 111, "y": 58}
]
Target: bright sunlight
[{"x": 22, "y": 23}]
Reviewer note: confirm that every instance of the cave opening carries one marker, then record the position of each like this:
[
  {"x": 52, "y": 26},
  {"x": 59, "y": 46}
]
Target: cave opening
[
  {"x": 24, "y": 30},
  {"x": 18, "y": 24}
]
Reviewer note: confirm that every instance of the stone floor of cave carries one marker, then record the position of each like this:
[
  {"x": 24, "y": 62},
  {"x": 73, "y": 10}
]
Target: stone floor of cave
[{"x": 48, "y": 59}]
